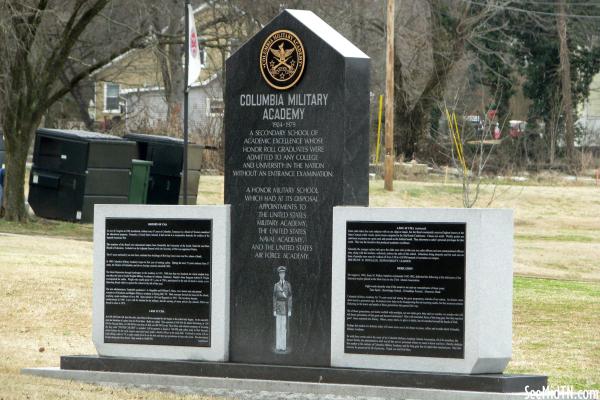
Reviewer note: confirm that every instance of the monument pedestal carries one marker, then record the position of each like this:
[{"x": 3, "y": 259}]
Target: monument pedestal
[{"x": 490, "y": 383}]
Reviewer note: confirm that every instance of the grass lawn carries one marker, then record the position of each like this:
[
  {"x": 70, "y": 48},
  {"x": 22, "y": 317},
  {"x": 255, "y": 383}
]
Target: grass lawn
[
  {"x": 45, "y": 309},
  {"x": 45, "y": 227},
  {"x": 557, "y": 228},
  {"x": 555, "y": 331},
  {"x": 46, "y": 278}
]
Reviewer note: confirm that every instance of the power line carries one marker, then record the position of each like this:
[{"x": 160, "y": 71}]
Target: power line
[
  {"x": 522, "y": 10},
  {"x": 553, "y": 2}
]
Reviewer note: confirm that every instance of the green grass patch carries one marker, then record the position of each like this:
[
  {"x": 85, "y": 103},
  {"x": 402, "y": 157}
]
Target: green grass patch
[
  {"x": 557, "y": 289},
  {"x": 431, "y": 188},
  {"x": 555, "y": 331},
  {"x": 45, "y": 227},
  {"x": 557, "y": 238},
  {"x": 414, "y": 190}
]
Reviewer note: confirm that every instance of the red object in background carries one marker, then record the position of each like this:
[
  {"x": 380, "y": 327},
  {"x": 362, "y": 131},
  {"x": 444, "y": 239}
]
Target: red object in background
[
  {"x": 516, "y": 129},
  {"x": 491, "y": 114},
  {"x": 497, "y": 132}
]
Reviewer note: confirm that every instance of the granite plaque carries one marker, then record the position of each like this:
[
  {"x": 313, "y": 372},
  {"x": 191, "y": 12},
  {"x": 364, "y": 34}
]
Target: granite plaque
[
  {"x": 296, "y": 145},
  {"x": 157, "y": 281},
  {"x": 161, "y": 281},
  {"x": 405, "y": 289},
  {"x": 422, "y": 289}
]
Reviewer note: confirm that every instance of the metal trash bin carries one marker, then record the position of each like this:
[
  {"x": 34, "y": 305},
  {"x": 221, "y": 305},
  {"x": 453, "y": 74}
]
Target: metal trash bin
[
  {"x": 165, "y": 186},
  {"x": 139, "y": 181},
  {"x": 73, "y": 170}
]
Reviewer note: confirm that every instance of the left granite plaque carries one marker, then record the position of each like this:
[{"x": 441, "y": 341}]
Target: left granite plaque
[{"x": 161, "y": 282}]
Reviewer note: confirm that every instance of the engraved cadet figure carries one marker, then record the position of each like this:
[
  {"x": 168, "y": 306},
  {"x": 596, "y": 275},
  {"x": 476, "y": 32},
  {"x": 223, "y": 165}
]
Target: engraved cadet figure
[{"x": 282, "y": 309}]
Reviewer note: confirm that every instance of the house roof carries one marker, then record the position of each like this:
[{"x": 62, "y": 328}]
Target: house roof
[{"x": 149, "y": 89}]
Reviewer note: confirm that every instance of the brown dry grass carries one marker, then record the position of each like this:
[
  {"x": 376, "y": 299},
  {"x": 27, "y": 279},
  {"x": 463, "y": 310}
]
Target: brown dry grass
[
  {"x": 557, "y": 228},
  {"x": 557, "y": 236},
  {"x": 46, "y": 305},
  {"x": 46, "y": 289}
]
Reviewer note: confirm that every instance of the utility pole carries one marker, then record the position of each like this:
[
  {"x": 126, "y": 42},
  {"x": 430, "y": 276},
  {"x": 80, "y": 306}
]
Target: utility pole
[
  {"x": 565, "y": 69},
  {"x": 185, "y": 102},
  {"x": 389, "y": 99}
]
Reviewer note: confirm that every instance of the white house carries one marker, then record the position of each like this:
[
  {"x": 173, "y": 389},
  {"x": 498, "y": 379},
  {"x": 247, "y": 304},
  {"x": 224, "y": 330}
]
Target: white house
[{"x": 146, "y": 108}]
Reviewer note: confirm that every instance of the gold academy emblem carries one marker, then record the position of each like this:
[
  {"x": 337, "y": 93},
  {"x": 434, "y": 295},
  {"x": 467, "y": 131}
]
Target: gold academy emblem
[{"x": 282, "y": 59}]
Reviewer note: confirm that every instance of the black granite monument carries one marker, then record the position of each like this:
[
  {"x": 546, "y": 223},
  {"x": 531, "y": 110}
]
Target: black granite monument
[{"x": 296, "y": 145}]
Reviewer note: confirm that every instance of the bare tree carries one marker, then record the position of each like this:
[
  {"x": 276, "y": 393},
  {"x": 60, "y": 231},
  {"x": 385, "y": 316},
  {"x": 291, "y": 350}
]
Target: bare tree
[
  {"x": 438, "y": 32},
  {"x": 471, "y": 150},
  {"x": 48, "y": 47},
  {"x": 217, "y": 26},
  {"x": 167, "y": 19}
]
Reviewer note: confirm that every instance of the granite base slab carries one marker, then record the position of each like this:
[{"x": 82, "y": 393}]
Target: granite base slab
[{"x": 496, "y": 383}]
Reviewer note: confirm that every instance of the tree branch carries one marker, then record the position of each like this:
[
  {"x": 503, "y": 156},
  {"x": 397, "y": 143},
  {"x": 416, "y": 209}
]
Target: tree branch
[
  {"x": 71, "y": 33},
  {"x": 68, "y": 85}
]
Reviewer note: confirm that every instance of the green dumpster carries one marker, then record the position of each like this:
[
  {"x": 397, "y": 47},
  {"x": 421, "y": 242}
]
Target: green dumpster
[{"x": 138, "y": 181}]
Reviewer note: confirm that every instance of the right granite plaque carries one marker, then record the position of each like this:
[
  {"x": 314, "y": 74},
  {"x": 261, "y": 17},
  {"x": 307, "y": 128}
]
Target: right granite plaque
[
  {"x": 422, "y": 289},
  {"x": 405, "y": 289}
]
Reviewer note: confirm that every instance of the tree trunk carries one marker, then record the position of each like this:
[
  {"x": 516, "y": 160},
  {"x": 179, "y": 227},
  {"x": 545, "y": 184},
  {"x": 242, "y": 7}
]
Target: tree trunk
[
  {"x": 413, "y": 129},
  {"x": 18, "y": 138},
  {"x": 409, "y": 133},
  {"x": 565, "y": 67},
  {"x": 83, "y": 107},
  {"x": 550, "y": 133},
  {"x": 413, "y": 119},
  {"x": 172, "y": 75},
  {"x": 169, "y": 56}
]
